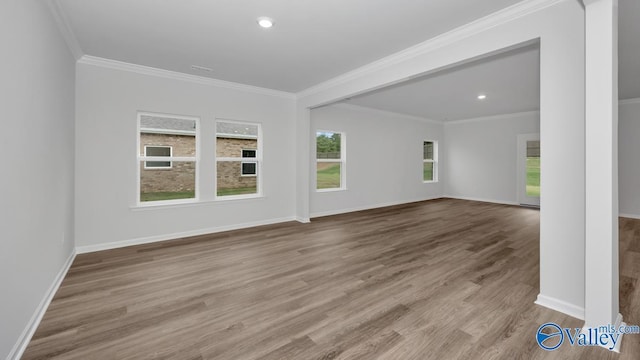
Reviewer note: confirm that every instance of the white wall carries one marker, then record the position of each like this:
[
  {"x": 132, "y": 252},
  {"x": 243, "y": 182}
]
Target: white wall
[
  {"x": 629, "y": 158},
  {"x": 37, "y": 87},
  {"x": 106, "y": 167},
  {"x": 384, "y": 159},
  {"x": 560, "y": 28},
  {"x": 482, "y": 156}
]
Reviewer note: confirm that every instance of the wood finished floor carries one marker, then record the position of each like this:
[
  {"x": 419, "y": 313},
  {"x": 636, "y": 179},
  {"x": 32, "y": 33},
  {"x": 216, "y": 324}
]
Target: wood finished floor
[{"x": 443, "y": 279}]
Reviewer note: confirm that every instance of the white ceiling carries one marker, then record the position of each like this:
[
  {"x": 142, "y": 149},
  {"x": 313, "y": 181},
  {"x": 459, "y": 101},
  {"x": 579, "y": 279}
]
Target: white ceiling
[
  {"x": 511, "y": 82},
  {"x": 312, "y": 41}
]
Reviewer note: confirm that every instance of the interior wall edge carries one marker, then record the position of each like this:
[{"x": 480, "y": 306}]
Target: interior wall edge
[
  {"x": 174, "y": 236},
  {"x": 34, "y": 322}
]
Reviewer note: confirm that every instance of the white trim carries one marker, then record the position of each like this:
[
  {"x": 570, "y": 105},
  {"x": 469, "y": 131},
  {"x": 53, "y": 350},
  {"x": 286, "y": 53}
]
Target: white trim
[
  {"x": 236, "y": 136},
  {"x": 302, "y": 220},
  {"x": 561, "y": 306},
  {"x": 258, "y": 160},
  {"x": 36, "y": 318},
  {"x": 502, "y": 202},
  {"x": 174, "y": 236},
  {"x": 370, "y": 207},
  {"x": 630, "y": 216},
  {"x": 375, "y": 111},
  {"x": 195, "y": 159},
  {"x": 167, "y": 131},
  {"x": 493, "y": 117},
  {"x": 629, "y": 101},
  {"x": 174, "y": 75},
  {"x": 65, "y": 29},
  {"x": 500, "y": 17}
]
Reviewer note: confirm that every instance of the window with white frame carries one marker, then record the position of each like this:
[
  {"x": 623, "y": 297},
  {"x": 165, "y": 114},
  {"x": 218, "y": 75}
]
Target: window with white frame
[
  {"x": 154, "y": 151},
  {"x": 249, "y": 167},
  {"x": 430, "y": 161},
  {"x": 168, "y": 143},
  {"x": 238, "y": 159},
  {"x": 330, "y": 160}
]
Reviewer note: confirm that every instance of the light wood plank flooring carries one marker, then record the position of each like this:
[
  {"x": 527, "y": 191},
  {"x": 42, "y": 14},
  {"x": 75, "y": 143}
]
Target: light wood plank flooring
[{"x": 442, "y": 279}]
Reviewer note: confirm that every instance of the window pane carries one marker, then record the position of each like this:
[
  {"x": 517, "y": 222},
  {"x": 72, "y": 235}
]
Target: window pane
[
  {"x": 427, "y": 171},
  {"x": 180, "y": 134},
  {"x": 248, "y": 153},
  {"x": 176, "y": 183},
  {"x": 158, "y": 151},
  {"x": 249, "y": 168},
  {"x": 328, "y": 175},
  {"x": 231, "y": 182},
  {"x": 233, "y": 139},
  {"x": 427, "y": 151},
  {"x": 328, "y": 145}
]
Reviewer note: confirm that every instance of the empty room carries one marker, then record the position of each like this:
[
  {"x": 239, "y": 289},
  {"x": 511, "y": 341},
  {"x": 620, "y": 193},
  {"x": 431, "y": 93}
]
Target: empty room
[{"x": 444, "y": 179}]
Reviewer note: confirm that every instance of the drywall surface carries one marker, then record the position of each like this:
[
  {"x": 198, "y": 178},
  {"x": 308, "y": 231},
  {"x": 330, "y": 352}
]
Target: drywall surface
[
  {"x": 383, "y": 159},
  {"x": 37, "y": 92},
  {"x": 482, "y": 156},
  {"x": 629, "y": 158},
  {"x": 106, "y": 167}
]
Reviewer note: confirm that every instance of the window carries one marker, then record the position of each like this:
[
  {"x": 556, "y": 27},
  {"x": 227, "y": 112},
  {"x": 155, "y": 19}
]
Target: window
[
  {"x": 430, "y": 161},
  {"x": 238, "y": 159},
  {"x": 330, "y": 160},
  {"x": 164, "y": 151},
  {"x": 249, "y": 168},
  {"x": 167, "y": 143}
]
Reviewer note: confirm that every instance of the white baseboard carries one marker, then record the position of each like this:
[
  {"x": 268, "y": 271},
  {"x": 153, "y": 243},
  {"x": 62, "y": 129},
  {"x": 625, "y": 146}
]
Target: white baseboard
[
  {"x": 561, "y": 306},
  {"x": 151, "y": 239},
  {"x": 502, "y": 202},
  {"x": 303, "y": 220},
  {"x": 27, "y": 333},
  {"x": 616, "y": 325},
  {"x": 630, "y": 216},
  {"x": 368, "y": 207}
]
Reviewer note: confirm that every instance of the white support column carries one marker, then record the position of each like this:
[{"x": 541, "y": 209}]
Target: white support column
[
  {"x": 601, "y": 255},
  {"x": 303, "y": 145}
]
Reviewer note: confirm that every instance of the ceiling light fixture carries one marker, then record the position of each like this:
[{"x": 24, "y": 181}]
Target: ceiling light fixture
[
  {"x": 265, "y": 22},
  {"x": 482, "y": 97}
]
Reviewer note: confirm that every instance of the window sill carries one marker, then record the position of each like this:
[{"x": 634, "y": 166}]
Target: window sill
[
  {"x": 430, "y": 182},
  {"x": 330, "y": 190},
  {"x": 159, "y": 205}
]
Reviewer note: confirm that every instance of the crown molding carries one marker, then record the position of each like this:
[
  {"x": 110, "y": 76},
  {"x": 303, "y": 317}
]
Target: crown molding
[
  {"x": 493, "y": 117},
  {"x": 65, "y": 29},
  {"x": 168, "y": 74},
  {"x": 384, "y": 112},
  {"x": 629, "y": 101},
  {"x": 500, "y": 17}
]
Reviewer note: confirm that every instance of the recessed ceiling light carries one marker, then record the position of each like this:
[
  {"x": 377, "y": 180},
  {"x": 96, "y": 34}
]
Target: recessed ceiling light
[
  {"x": 265, "y": 22},
  {"x": 482, "y": 97}
]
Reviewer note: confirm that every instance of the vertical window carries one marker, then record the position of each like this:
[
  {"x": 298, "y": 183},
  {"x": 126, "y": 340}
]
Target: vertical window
[
  {"x": 238, "y": 158},
  {"x": 167, "y": 157},
  {"x": 330, "y": 160},
  {"x": 430, "y": 161},
  {"x": 533, "y": 168}
]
